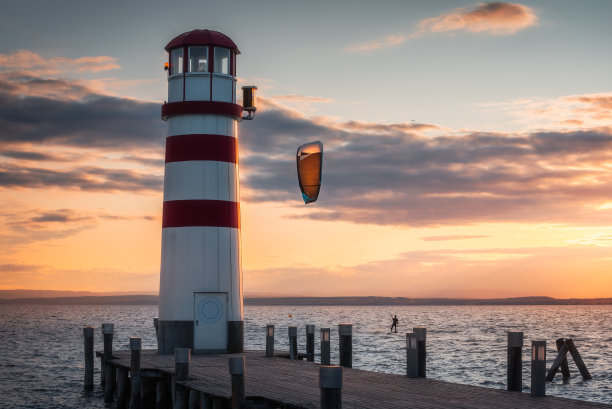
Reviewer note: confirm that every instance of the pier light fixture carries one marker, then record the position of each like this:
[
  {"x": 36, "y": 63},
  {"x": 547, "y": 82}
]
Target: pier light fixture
[
  {"x": 249, "y": 101},
  {"x": 538, "y": 368}
]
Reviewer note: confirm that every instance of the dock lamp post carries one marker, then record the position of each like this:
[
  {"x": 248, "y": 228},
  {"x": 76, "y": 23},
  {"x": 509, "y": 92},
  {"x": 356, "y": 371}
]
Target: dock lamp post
[{"x": 538, "y": 368}]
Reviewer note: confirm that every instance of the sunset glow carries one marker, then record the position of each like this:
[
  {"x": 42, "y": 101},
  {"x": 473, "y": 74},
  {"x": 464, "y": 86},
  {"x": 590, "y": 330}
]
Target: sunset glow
[{"x": 465, "y": 165}]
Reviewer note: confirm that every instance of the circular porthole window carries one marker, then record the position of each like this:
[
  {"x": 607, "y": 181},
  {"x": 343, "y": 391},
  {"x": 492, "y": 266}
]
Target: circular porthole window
[{"x": 210, "y": 310}]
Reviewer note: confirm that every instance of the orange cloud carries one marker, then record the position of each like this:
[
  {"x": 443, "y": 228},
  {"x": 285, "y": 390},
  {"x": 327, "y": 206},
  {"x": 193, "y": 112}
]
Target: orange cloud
[
  {"x": 32, "y": 62},
  {"x": 493, "y": 18}
]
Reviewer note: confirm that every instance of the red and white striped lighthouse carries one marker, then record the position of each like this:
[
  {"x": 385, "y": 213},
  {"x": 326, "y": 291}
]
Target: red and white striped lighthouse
[{"x": 200, "y": 305}]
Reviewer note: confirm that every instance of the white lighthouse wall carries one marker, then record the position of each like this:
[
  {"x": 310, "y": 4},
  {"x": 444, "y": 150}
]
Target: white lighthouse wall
[
  {"x": 195, "y": 259},
  {"x": 197, "y": 87},
  {"x": 175, "y": 89},
  {"x": 202, "y": 124},
  {"x": 222, "y": 89},
  {"x": 201, "y": 180}
]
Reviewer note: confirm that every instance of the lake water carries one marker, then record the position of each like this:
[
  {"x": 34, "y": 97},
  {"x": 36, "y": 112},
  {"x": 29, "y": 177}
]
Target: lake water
[{"x": 41, "y": 347}]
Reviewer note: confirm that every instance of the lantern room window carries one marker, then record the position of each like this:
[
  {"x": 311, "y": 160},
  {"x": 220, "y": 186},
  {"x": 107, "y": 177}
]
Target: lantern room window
[
  {"x": 198, "y": 59},
  {"x": 176, "y": 61},
  {"x": 222, "y": 60}
]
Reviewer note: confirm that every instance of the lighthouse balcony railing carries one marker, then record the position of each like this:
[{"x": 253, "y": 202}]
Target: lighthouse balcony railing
[
  {"x": 197, "y": 87},
  {"x": 175, "y": 88},
  {"x": 223, "y": 88}
]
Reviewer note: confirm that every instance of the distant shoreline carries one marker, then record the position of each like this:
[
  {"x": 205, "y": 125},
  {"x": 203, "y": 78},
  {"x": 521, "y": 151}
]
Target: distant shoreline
[{"x": 313, "y": 301}]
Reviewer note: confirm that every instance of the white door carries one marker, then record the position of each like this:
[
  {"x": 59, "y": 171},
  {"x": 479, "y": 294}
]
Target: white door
[{"x": 210, "y": 324}]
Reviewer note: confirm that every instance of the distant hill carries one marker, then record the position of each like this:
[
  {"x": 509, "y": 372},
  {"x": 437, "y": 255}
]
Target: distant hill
[{"x": 84, "y": 297}]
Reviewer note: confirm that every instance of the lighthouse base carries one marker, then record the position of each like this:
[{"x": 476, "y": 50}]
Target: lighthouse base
[{"x": 180, "y": 334}]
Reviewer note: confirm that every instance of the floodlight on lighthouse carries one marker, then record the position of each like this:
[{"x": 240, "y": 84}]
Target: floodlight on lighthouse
[{"x": 249, "y": 101}]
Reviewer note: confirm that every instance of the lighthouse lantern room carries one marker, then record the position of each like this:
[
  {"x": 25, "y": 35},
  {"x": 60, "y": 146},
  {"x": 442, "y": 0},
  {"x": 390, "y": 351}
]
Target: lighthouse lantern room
[{"x": 200, "y": 296}]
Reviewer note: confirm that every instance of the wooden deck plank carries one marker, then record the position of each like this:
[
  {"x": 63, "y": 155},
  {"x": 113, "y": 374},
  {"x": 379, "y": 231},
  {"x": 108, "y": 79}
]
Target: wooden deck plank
[{"x": 297, "y": 383}]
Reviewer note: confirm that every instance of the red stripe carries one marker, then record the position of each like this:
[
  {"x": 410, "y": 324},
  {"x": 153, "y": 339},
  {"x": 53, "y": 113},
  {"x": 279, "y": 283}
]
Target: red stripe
[
  {"x": 220, "y": 148},
  {"x": 201, "y": 107},
  {"x": 214, "y": 213}
]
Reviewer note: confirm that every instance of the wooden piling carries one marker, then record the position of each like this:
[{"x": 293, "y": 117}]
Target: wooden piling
[
  {"x": 564, "y": 366},
  {"x": 345, "y": 332},
  {"x": 135, "y": 348},
  {"x": 422, "y": 350},
  {"x": 163, "y": 396},
  {"x": 109, "y": 386},
  {"x": 147, "y": 392},
  {"x": 325, "y": 346},
  {"x": 538, "y": 368},
  {"x": 515, "y": 361},
  {"x": 123, "y": 388},
  {"x": 102, "y": 372},
  {"x": 310, "y": 340},
  {"x": 330, "y": 382},
  {"x": 182, "y": 358},
  {"x": 577, "y": 359},
  {"x": 237, "y": 369},
  {"x": 88, "y": 340},
  {"x": 270, "y": 341},
  {"x": 561, "y": 357},
  {"x": 194, "y": 399},
  {"x": 412, "y": 355},
  {"x": 293, "y": 348}
]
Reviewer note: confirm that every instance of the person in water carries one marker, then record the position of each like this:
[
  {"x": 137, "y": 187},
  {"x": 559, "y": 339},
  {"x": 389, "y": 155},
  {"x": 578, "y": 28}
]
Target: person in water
[{"x": 394, "y": 325}]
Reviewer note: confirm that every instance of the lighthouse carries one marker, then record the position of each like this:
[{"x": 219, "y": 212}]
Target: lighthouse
[{"x": 200, "y": 295}]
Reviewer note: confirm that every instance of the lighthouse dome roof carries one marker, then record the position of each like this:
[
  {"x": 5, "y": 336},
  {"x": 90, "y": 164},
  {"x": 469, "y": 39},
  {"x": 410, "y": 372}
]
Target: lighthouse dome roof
[{"x": 202, "y": 37}]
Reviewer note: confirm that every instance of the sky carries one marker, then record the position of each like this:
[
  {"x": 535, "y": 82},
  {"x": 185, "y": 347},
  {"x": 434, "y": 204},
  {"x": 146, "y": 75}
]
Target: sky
[{"x": 468, "y": 146}]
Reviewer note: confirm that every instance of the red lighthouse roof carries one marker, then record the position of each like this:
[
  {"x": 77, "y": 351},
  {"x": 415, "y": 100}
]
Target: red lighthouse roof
[{"x": 202, "y": 37}]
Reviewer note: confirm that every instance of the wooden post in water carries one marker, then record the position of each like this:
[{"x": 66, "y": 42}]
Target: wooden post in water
[
  {"x": 564, "y": 366},
  {"x": 123, "y": 388},
  {"x": 310, "y": 340},
  {"x": 538, "y": 368},
  {"x": 182, "y": 358},
  {"x": 194, "y": 399},
  {"x": 330, "y": 382},
  {"x": 345, "y": 332},
  {"x": 422, "y": 350},
  {"x": 293, "y": 349},
  {"x": 236, "y": 368},
  {"x": 163, "y": 396},
  {"x": 88, "y": 339},
  {"x": 578, "y": 359},
  {"x": 515, "y": 361},
  {"x": 561, "y": 357},
  {"x": 135, "y": 348},
  {"x": 325, "y": 346},
  {"x": 148, "y": 397},
  {"x": 412, "y": 355},
  {"x": 270, "y": 341},
  {"x": 109, "y": 371}
]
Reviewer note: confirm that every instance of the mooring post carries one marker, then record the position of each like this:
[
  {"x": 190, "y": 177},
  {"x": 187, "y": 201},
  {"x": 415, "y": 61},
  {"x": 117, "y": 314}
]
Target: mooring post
[
  {"x": 270, "y": 341},
  {"x": 236, "y": 368},
  {"x": 578, "y": 359},
  {"x": 123, "y": 388},
  {"x": 310, "y": 332},
  {"x": 109, "y": 371},
  {"x": 538, "y": 368},
  {"x": 88, "y": 339},
  {"x": 412, "y": 355},
  {"x": 561, "y": 357},
  {"x": 135, "y": 348},
  {"x": 422, "y": 350},
  {"x": 345, "y": 332},
  {"x": 293, "y": 350},
  {"x": 325, "y": 346},
  {"x": 515, "y": 361},
  {"x": 330, "y": 382},
  {"x": 182, "y": 358},
  {"x": 148, "y": 397}
]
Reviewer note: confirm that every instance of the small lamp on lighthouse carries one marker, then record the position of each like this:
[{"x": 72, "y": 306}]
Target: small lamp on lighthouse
[{"x": 249, "y": 101}]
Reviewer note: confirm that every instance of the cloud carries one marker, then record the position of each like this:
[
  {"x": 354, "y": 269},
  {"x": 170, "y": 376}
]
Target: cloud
[
  {"x": 395, "y": 176},
  {"x": 24, "y": 60},
  {"x": 454, "y": 237},
  {"x": 493, "y": 18}
]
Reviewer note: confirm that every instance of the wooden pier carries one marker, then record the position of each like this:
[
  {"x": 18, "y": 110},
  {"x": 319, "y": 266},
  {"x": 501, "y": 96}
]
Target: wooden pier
[{"x": 283, "y": 383}]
